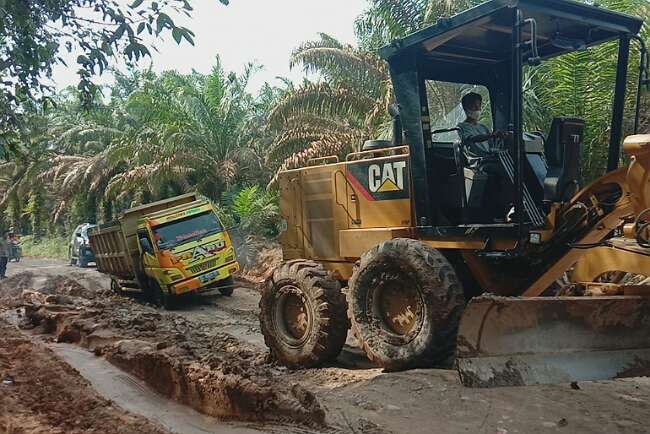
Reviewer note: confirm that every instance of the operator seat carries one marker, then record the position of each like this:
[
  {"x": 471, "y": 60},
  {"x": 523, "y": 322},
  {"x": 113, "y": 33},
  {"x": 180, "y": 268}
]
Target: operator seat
[{"x": 562, "y": 152}]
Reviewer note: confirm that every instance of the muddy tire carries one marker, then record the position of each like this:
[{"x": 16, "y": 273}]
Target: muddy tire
[
  {"x": 161, "y": 297},
  {"x": 116, "y": 288},
  {"x": 303, "y": 314},
  {"x": 227, "y": 286},
  {"x": 405, "y": 302}
]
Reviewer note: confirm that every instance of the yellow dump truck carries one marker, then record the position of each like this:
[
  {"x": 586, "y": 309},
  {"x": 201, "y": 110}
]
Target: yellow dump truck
[{"x": 165, "y": 249}]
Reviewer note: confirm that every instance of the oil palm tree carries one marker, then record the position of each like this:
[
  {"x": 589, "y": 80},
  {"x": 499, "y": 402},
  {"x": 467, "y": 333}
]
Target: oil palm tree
[
  {"x": 348, "y": 103},
  {"x": 334, "y": 114},
  {"x": 189, "y": 132}
]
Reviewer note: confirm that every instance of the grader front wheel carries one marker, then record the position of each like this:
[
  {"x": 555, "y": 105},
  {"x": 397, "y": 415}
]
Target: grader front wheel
[
  {"x": 302, "y": 314},
  {"x": 405, "y": 302}
]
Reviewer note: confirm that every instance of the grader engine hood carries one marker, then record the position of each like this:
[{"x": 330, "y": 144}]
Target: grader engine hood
[{"x": 380, "y": 180}]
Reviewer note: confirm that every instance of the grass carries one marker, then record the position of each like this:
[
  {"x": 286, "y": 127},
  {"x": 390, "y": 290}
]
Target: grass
[{"x": 55, "y": 247}]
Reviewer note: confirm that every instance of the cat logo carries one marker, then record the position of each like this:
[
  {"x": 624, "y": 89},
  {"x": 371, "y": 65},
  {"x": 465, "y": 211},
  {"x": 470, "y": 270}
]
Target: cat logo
[{"x": 386, "y": 178}]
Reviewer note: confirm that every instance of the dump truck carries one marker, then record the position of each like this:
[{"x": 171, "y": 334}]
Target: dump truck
[
  {"x": 396, "y": 241},
  {"x": 166, "y": 249}
]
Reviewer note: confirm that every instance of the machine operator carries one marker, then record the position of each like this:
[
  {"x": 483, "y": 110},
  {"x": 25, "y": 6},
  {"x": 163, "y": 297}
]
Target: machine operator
[{"x": 476, "y": 138}]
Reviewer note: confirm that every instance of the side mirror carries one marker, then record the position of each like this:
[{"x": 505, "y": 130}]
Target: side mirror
[
  {"x": 78, "y": 235},
  {"x": 146, "y": 246}
]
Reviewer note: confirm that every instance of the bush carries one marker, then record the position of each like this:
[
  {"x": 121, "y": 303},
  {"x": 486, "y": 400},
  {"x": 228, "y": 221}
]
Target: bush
[
  {"x": 252, "y": 211},
  {"x": 53, "y": 247}
]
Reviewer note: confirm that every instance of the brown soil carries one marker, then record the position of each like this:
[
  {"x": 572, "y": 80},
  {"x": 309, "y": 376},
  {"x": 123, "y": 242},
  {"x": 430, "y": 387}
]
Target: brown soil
[
  {"x": 211, "y": 371},
  {"x": 210, "y": 355},
  {"x": 41, "y": 394},
  {"x": 265, "y": 261},
  {"x": 13, "y": 286}
]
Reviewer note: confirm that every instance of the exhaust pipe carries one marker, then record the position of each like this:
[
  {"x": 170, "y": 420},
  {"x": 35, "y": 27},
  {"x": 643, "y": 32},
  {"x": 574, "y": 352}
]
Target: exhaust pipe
[{"x": 393, "y": 110}]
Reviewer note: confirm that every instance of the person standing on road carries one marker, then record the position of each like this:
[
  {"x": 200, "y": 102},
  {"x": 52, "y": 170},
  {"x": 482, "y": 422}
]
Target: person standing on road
[{"x": 4, "y": 255}]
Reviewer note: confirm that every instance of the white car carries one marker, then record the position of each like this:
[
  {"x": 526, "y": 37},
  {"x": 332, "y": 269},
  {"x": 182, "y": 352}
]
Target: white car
[{"x": 79, "y": 250}]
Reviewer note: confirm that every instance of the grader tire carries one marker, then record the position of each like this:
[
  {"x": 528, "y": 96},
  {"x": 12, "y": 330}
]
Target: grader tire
[
  {"x": 405, "y": 303},
  {"x": 303, "y": 315}
]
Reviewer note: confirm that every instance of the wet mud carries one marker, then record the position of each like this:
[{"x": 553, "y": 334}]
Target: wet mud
[{"x": 210, "y": 371}]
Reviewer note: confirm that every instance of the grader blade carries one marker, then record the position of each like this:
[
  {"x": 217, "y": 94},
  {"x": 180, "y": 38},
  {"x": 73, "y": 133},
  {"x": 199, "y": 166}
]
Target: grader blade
[{"x": 542, "y": 340}]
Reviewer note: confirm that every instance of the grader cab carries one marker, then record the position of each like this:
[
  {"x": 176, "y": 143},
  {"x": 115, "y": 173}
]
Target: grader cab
[{"x": 412, "y": 248}]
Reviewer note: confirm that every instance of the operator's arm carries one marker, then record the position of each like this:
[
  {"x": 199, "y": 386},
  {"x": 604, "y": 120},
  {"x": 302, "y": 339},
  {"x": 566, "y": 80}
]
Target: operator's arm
[{"x": 474, "y": 138}]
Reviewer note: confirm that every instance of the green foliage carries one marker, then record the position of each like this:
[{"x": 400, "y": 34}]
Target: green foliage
[
  {"x": 386, "y": 20},
  {"x": 51, "y": 247},
  {"x": 252, "y": 211},
  {"x": 581, "y": 84},
  {"x": 33, "y": 31},
  {"x": 335, "y": 115},
  {"x": 36, "y": 212},
  {"x": 160, "y": 135}
]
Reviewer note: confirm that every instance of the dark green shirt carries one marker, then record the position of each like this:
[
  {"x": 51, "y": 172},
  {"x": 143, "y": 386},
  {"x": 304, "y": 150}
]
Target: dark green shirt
[{"x": 474, "y": 151}]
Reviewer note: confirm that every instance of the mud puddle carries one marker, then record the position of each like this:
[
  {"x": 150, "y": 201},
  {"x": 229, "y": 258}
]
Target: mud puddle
[{"x": 132, "y": 394}]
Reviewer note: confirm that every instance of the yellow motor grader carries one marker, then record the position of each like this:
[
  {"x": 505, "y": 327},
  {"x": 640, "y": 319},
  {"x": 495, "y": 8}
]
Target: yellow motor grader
[{"x": 428, "y": 260}]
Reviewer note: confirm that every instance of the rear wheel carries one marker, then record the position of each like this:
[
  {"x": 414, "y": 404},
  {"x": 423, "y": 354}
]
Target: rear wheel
[
  {"x": 227, "y": 286},
  {"x": 405, "y": 302},
  {"x": 73, "y": 260},
  {"x": 116, "y": 287},
  {"x": 303, "y": 314}
]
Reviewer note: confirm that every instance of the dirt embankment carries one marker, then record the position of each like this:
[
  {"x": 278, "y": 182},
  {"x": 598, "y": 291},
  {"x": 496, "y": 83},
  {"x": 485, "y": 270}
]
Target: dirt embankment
[
  {"x": 41, "y": 394},
  {"x": 267, "y": 256},
  {"x": 210, "y": 371}
]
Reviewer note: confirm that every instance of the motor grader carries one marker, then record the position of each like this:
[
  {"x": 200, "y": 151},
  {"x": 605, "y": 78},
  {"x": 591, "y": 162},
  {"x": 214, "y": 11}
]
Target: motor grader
[{"x": 395, "y": 242}]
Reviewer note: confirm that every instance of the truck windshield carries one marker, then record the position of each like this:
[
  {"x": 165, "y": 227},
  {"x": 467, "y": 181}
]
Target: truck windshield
[{"x": 173, "y": 233}]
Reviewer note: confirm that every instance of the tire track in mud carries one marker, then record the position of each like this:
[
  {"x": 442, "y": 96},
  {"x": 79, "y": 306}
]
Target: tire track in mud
[{"x": 209, "y": 371}]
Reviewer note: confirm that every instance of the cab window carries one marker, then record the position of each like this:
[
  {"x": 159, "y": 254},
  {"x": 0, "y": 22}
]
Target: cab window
[{"x": 446, "y": 111}]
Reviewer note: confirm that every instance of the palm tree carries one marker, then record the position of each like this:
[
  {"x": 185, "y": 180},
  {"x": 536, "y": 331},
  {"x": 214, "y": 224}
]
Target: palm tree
[
  {"x": 336, "y": 113},
  {"x": 348, "y": 103},
  {"x": 582, "y": 84},
  {"x": 188, "y": 132}
]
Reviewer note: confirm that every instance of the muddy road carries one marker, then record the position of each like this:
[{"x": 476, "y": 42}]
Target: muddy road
[{"x": 209, "y": 356}]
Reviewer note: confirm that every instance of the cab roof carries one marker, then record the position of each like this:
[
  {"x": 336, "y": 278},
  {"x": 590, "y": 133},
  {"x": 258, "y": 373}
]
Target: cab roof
[{"x": 483, "y": 34}]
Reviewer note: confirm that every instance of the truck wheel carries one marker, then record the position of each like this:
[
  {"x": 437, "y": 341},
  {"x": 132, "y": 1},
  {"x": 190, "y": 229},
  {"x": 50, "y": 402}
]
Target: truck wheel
[
  {"x": 73, "y": 260},
  {"x": 116, "y": 288},
  {"x": 227, "y": 286},
  {"x": 302, "y": 314},
  {"x": 161, "y": 297},
  {"x": 405, "y": 302}
]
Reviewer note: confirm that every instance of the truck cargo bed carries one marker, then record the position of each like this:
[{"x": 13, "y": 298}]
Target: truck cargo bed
[{"x": 111, "y": 253}]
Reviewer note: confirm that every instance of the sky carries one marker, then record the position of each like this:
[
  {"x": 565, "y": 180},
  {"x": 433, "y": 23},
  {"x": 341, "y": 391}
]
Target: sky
[{"x": 263, "y": 31}]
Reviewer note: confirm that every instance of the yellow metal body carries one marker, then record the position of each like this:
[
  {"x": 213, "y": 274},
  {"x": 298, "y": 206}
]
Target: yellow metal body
[
  {"x": 333, "y": 219},
  {"x": 623, "y": 254},
  {"x": 337, "y": 210},
  {"x": 193, "y": 265}
]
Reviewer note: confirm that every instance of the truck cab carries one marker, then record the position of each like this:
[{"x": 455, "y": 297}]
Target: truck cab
[
  {"x": 187, "y": 250},
  {"x": 166, "y": 249}
]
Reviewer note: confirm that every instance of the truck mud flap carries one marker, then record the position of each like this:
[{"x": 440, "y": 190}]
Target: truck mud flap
[{"x": 512, "y": 341}]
